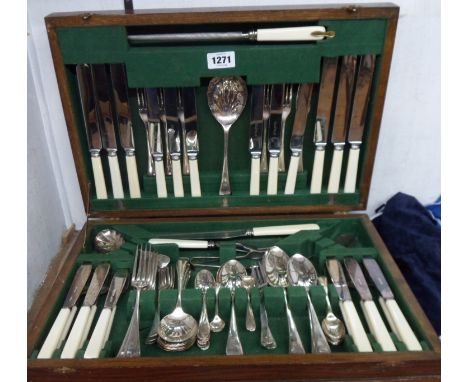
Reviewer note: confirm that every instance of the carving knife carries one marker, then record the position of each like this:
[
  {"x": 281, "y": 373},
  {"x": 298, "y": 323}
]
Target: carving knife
[
  {"x": 153, "y": 97},
  {"x": 340, "y": 123},
  {"x": 256, "y": 136},
  {"x": 105, "y": 320},
  {"x": 348, "y": 310},
  {"x": 63, "y": 321},
  {"x": 392, "y": 311},
  {"x": 274, "y": 137},
  {"x": 82, "y": 324},
  {"x": 93, "y": 134},
  {"x": 124, "y": 120},
  {"x": 372, "y": 315},
  {"x": 304, "y": 96},
  {"x": 191, "y": 137},
  {"x": 174, "y": 137},
  {"x": 358, "y": 118},
  {"x": 106, "y": 122},
  {"x": 322, "y": 121}
]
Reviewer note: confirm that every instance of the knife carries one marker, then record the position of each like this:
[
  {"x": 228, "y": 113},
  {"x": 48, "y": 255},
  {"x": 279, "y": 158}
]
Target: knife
[
  {"x": 392, "y": 311},
  {"x": 256, "y": 136},
  {"x": 173, "y": 136},
  {"x": 181, "y": 115},
  {"x": 154, "y": 101},
  {"x": 304, "y": 96},
  {"x": 266, "y": 119},
  {"x": 93, "y": 134},
  {"x": 162, "y": 116},
  {"x": 105, "y": 320},
  {"x": 348, "y": 310},
  {"x": 63, "y": 321},
  {"x": 106, "y": 121},
  {"x": 238, "y": 233},
  {"x": 340, "y": 123},
  {"x": 83, "y": 321},
  {"x": 322, "y": 121},
  {"x": 372, "y": 315},
  {"x": 191, "y": 137},
  {"x": 358, "y": 118},
  {"x": 124, "y": 121},
  {"x": 274, "y": 137}
]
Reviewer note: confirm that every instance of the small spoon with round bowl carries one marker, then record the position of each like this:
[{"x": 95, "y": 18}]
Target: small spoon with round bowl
[
  {"x": 332, "y": 326},
  {"x": 217, "y": 323},
  {"x": 204, "y": 280},
  {"x": 249, "y": 282}
]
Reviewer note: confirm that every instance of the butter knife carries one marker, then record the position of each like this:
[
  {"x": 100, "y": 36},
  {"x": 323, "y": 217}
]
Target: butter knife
[
  {"x": 304, "y": 96},
  {"x": 341, "y": 120},
  {"x": 358, "y": 118},
  {"x": 372, "y": 315},
  {"x": 106, "y": 121},
  {"x": 105, "y": 320},
  {"x": 322, "y": 121},
  {"x": 63, "y": 321},
  {"x": 348, "y": 310},
  {"x": 256, "y": 136},
  {"x": 191, "y": 137},
  {"x": 82, "y": 324},
  {"x": 124, "y": 122},
  {"x": 274, "y": 137},
  {"x": 174, "y": 139},
  {"x": 93, "y": 134},
  {"x": 395, "y": 317}
]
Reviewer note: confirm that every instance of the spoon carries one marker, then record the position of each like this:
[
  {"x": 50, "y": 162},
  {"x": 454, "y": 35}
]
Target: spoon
[
  {"x": 178, "y": 327},
  {"x": 332, "y": 326},
  {"x": 204, "y": 280},
  {"x": 301, "y": 272},
  {"x": 275, "y": 264},
  {"x": 248, "y": 282},
  {"x": 108, "y": 240},
  {"x": 217, "y": 323},
  {"x": 226, "y": 99},
  {"x": 230, "y": 276}
]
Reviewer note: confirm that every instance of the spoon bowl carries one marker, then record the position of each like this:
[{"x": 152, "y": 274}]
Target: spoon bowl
[
  {"x": 108, "y": 240},
  {"x": 332, "y": 326}
]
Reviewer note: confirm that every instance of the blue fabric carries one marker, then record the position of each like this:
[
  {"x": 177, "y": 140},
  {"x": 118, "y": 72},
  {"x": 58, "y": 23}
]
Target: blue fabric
[{"x": 413, "y": 237}]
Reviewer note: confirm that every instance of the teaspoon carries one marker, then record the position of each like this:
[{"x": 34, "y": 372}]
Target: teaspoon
[
  {"x": 217, "y": 323},
  {"x": 248, "y": 282},
  {"x": 332, "y": 326},
  {"x": 204, "y": 280}
]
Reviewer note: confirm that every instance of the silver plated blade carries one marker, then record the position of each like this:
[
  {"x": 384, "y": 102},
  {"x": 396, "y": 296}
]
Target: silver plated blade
[
  {"x": 357, "y": 277},
  {"x": 377, "y": 276},
  {"x": 77, "y": 285}
]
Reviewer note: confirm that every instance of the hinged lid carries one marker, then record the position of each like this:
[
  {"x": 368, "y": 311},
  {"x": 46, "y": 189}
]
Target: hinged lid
[{"x": 354, "y": 43}]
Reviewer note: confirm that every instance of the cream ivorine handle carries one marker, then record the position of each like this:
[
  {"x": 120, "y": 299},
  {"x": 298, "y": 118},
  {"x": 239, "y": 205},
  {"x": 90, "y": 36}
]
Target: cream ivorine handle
[
  {"x": 88, "y": 325},
  {"x": 116, "y": 178},
  {"x": 132, "y": 176},
  {"x": 181, "y": 243},
  {"x": 195, "y": 188},
  {"x": 67, "y": 327},
  {"x": 161, "y": 187},
  {"x": 97, "y": 341},
  {"x": 272, "y": 188},
  {"x": 377, "y": 326},
  {"x": 255, "y": 176},
  {"x": 317, "y": 171},
  {"x": 292, "y": 174},
  {"x": 98, "y": 173},
  {"x": 109, "y": 326},
  {"x": 74, "y": 339},
  {"x": 354, "y": 326},
  {"x": 403, "y": 329},
  {"x": 177, "y": 178},
  {"x": 335, "y": 171},
  {"x": 290, "y": 34},
  {"x": 52, "y": 341},
  {"x": 352, "y": 169},
  {"x": 284, "y": 229}
]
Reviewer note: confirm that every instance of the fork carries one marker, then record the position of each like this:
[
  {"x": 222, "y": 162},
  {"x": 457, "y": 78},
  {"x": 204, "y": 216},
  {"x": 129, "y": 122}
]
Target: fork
[
  {"x": 287, "y": 102},
  {"x": 166, "y": 279},
  {"x": 143, "y": 277},
  {"x": 266, "y": 115},
  {"x": 143, "y": 113}
]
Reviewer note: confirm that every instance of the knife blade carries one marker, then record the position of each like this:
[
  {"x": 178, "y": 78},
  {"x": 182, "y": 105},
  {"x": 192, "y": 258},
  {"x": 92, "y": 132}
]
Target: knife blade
[
  {"x": 105, "y": 320},
  {"x": 189, "y": 100},
  {"x": 82, "y": 324},
  {"x": 348, "y": 310},
  {"x": 125, "y": 126},
  {"x": 266, "y": 119},
  {"x": 341, "y": 119},
  {"x": 106, "y": 122},
  {"x": 395, "y": 316},
  {"x": 181, "y": 115},
  {"x": 358, "y": 118},
  {"x": 174, "y": 138},
  {"x": 256, "y": 136},
  {"x": 93, "y": 134},
  {"x": 322, "y": 121},
  {"x": 274, "y": 136},
  {"x": 372, "y": 315},
  {"x": 304, "y": 96},
  {"x": 63, "y": 320}
]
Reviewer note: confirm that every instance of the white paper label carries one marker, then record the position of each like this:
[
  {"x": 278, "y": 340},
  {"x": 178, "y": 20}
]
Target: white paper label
[{"x": 221, "y": 60}]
